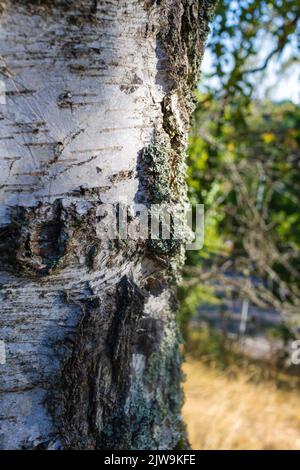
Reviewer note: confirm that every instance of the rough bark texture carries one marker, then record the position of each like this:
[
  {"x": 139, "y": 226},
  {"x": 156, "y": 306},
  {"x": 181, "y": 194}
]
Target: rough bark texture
[{"x": 98, "y": 100}]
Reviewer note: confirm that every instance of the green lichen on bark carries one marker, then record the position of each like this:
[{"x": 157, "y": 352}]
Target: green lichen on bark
[
  {"x": 150, "y": 417},
  {"x": 181, "y": 37},
  {"x": 156, "y": 171}
]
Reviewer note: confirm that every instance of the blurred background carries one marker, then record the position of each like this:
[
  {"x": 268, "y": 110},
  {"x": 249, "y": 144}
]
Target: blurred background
[{"x": 240, "y": 295}]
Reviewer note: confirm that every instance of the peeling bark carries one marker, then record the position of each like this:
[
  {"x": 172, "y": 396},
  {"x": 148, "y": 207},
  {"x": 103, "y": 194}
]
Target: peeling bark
[{"x": 98, "y": 101}]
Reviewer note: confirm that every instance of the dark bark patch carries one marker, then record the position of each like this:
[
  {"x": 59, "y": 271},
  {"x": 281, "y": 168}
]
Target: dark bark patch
[
  {"x": 129, "y": 307},
  {"x": 120, "y": 176},
  {"x": 34, "y": 240},
  {"x": 149, "y": 336},
  {"x": 95, "y": 377},
  {"x": 131, "y": 84}
]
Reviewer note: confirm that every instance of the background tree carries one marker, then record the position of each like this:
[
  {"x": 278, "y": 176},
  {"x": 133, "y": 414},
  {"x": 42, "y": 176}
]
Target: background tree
[{"x": 243, "y": 162}]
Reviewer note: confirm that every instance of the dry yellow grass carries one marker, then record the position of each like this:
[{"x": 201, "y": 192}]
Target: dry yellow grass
[{"x": 223, "y": 413}]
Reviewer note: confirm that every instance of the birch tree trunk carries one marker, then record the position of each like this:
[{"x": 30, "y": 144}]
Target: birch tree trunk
[{"x": 96, "y": 100}]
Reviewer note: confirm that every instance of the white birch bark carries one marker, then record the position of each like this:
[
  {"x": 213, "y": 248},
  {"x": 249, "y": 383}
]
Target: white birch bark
[{"x": 89, "y": 326}]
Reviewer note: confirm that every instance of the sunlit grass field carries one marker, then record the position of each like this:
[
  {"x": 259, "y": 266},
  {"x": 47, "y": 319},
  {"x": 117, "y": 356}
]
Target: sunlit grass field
[{"x": 233, "y": 413}]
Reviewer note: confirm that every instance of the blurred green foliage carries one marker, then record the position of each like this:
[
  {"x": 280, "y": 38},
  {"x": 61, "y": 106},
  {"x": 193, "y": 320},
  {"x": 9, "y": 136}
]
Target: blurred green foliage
[
  {"x": 247, "y": 175},
  {"x": 244, "y": 162},
  {"x": 246, "y": 36}
]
